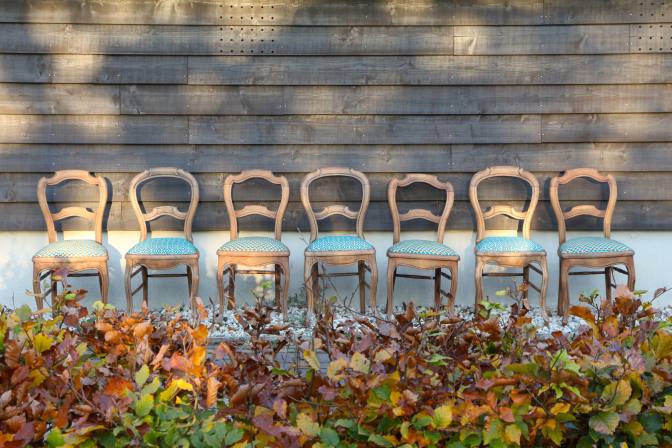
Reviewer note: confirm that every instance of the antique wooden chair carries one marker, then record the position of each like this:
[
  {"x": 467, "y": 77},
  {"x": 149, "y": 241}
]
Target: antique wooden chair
[
  {"x": 508, "y": 251},
  {"x": 254, "y": 251},
  {"x": 421, "y": 254},
  {"x": 73, "y": 256},
  {"x": 338, "y": 249},
  {"x": 162, "y": 253},
  {"x": 589, "y": 252}
]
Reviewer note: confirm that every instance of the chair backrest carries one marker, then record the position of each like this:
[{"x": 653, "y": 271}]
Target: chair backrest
[
  {"x": 164, "y": 210},
  {"x": 501, "y": 209},
  {"x": 262, "y": 210},
  {"x": 584, "y": 209},
  {"x": 418, "y": 213},
  {"x": 95, "y": 216},
  {"x": 331, "y": 210}
]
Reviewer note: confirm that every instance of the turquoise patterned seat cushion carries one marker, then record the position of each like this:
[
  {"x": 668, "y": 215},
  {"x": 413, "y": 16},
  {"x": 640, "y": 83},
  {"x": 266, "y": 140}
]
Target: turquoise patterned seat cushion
[
  {"x": 163, "y": 246},
  {"x": 254, "y": 244},
  {"x": 339, "y": 243},
  {"x": 588, "y": 245},
  {"x": 508, "y": 244},
  {"x": 71, "y": 249},
  {"x": 421, "y": 247}
]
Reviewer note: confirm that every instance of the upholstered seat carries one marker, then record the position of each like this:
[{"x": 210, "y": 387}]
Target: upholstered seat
[
  {"x": 508, "y": 244},
  {"x": 72, "y": 249},
  {"x": 593, "y": 245},
  {"x": 421, "y": 247},
  {"x": 163, "y": 246},
  {"x": 340, "y": 243},
  {"x": 257, "y": 244}
]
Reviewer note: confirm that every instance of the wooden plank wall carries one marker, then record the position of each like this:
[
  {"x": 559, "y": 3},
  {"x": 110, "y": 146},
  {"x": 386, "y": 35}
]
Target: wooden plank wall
[{"x": 384, "y": 86}]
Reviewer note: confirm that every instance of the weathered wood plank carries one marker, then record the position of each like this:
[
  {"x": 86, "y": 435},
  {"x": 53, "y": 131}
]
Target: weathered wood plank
[
  {"x": 630, "y": 215},
  {"x": 216, "y": 40},
  {"x": 93, "y": 69},
  {"x": 607, "y": 128},
  {"x": 92, "y": 129},
  {"x": 636, "y": 156},
  {"x": 21, "y": 187},
  {"x": 274, "y": 12},
  {"x": 59, "y": 99},
  {"x": 565, "y": 12},
  {"x": 393, "y": 100},
  {"x": 364, "y": 129},
  {"x": 431, "y": 70},
  {"x": 516, "y": 40}
]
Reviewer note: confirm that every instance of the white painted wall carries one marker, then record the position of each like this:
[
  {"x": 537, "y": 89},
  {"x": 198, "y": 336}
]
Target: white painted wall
[{"x": 652, "y": 260}]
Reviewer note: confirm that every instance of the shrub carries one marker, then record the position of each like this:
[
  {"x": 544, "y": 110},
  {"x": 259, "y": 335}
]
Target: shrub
[{"x": 420, "y": 379}]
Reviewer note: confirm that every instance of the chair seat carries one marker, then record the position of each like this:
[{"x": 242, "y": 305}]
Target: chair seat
[
  {"x": 508, "y": 244},
  {"x": 72, "y": 249},
  {"x": 421, "y": 247},
  {"x": 254, "y": 244},
  {"x": 340, "y": 243},
  {"x": 593, "y": 245},
  {"x": 163, "y": 246}
]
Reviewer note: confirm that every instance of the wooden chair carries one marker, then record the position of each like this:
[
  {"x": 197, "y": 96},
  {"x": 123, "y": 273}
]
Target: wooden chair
[
  {"x": 254, "y": 251},
  {"x": 162, "y": 253},
  {"x": 338, "y": 249},
  {"x": 74, "y": 256},
  {"x": 421, "y": 254},
  {"x": 512, "y": 252},
  {"x": 589, "y": 252}
]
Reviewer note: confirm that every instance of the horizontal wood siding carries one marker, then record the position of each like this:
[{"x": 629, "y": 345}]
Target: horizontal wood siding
[{"x": 387, "y": 87}]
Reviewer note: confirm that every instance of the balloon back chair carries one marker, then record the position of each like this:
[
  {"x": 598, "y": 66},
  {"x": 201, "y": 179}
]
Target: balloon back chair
[
  {"x": 162, "y": 253},
  {"x": 508, "y": 251},
  {"x": 338, "y": 249},
  {"x": 589, "y": 252},
  {"x": 254, "y": 251},
  {"x": 73, "y": 256},
  {"x": 421, "y": 254}
]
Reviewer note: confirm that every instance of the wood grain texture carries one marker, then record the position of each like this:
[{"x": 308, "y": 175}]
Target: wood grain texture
[
  {"x": 363, "y": 129},
  {"x": 565, "y": 12},
  {"x": 66, "y": 99},
  {"x": 607, "y": 128},
  {"x": 217, "y": 40},
  {"x": 276, "y": 12},
  {"x": 432, "y": 70},
  {"x": 92, "y": 129},
  {"x": 515, "y": 40},
  {"x": 92, "y": 69},
  {"x": 386, "y": 100}
]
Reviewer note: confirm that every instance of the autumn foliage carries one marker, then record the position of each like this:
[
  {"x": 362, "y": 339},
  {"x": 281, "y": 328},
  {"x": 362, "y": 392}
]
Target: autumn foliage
[{"x": 420, "y": 379}]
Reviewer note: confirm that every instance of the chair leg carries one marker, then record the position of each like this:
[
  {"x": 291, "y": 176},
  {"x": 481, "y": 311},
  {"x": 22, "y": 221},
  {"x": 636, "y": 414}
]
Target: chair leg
[
  {"x": 526, "y": 280},
  {"x": 145, "y": 286},
  {"x": 361, "y": 271},
  {"x": 194, "y": 277},
  {"x": 453, "y": 288},
  {"x": 285, "y": 288},
  {"x": 437, "y": 289},
  {"x": 478, "y": 281},
  {"x": 220, "y": 286},
  {"x": 231, "y": 292},
  {"x": 278, "y": 286},
  {"x": 310, "y": 290},
  {"x": 544, "y": 287},
  {"x": 104, "y": 279},
  {"x": 373, "y": 288},
  {"x": 630, "y": 266},
  {"x": 54, "y": 289},
  {"x": 391, "y": 274},
  {"x": 37, "y": 290},
  {"x": 607, "y": 282},
  {"x": 563, "y": 290},
  {"x": 127, "y": 286},
  {"x": 317, "y": 290}
]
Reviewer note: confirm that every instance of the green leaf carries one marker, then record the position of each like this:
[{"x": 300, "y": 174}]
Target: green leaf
[
  {"x": 604, "y": 422},
  {"x": 380, "y": 440},
  {"x": 234, "y": 436},
  {"x": 329, "y": 436},
  {"x": 307, "y": 426},
  {"x": 144, "y": 405},
  {"x": 443, "y": 416},
  {"x": 152, "y": 387},
  {"x": 142, "y": 375},
  {"x": 24, "y": 313},
  {"x": 55, "y": 438},
  {"x": 382, "y": 392}
]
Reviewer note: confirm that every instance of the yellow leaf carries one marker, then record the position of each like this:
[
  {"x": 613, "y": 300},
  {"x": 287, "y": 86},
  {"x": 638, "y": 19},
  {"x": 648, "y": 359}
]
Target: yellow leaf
[
  {"x": 42, "y": 343},
  {"x": 382, "y": 356},
  {"x": 307, "y": 426},
  {"x": 443, "y": 416},
  {"x": 311, "y": 358},
  {"x": 182, "y": 384},
  {"x": 359, "y": 363},
  {"x": 336, "y": 368},
  {"x": 560, "y": 408},
  {"x": 512, "y": 434}
]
